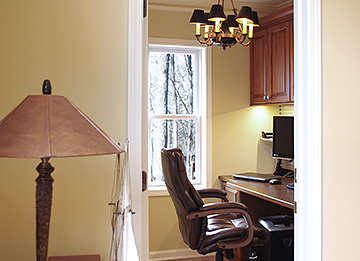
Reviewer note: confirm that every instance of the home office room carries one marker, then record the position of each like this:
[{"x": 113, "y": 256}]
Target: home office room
[
  {"x": 235, "y": 120},
  {"x": 91, "y": 51}
]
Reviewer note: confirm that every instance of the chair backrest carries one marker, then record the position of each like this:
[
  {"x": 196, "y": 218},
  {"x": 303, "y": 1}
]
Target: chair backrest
[{"x": 184, "y": 196}]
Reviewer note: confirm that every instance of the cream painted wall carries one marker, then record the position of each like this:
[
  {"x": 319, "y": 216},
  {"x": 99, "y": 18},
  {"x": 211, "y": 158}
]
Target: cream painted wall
[
  {"x": 341, "y": 110},
  {"x": 81, "y": 47},
  {"x": 235, "y": 125}
]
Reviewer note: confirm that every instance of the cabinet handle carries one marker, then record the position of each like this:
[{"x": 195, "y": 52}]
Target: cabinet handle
[
  {"x": 268, "y": 97},
  {"x": 264, "y": 97}
]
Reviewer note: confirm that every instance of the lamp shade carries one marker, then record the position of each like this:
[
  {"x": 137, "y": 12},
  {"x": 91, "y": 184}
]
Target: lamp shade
[
  {"x": 245, "y": 14},
  {"x": 231, "y": 21},
  {"x": 217, "y": 13},
  {"x": 197, "y": 17},
  {"x": 255, "y": 18},
  {"x": 207, "y": 19},
  {"x": 44, "y": 126}
]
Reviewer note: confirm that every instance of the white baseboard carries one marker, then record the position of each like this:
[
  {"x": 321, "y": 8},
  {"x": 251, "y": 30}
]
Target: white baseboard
[{"x": 174, "y": 254}]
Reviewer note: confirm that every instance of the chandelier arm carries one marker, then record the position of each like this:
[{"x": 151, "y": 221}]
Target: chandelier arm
[
  {"x": 244, "y": 42},
  {"x": 209, "y": 43},
  {"x": 238, "y": 38},
  {"x": 202, "y": 41},
  {"x": 246, "y": 38}
]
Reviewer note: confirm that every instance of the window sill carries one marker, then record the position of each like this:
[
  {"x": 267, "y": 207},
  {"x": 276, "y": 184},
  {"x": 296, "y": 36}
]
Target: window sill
[
  {"x": 157, "y": 192},
  {"x": 161, "y": 191}
]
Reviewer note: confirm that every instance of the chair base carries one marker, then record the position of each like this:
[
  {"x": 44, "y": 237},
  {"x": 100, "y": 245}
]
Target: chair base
[
  {"x": 252, "y": 253},
  {"x": 219, "y": 256},
  {"x": 229, "y": 253}
]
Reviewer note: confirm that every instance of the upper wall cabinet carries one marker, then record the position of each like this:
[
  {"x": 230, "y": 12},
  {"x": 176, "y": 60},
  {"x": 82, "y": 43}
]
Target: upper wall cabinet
[{"x": 272, "y": 59}]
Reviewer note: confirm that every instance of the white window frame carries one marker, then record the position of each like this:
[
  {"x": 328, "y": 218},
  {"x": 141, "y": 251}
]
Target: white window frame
[{"x": 202, "y": 112}]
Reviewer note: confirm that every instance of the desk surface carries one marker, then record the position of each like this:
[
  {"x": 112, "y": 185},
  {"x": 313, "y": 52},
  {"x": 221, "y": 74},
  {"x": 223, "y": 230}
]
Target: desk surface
[{"x": 278, "y": 194}]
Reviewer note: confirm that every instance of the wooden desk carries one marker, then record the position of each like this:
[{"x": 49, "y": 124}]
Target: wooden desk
[
  {"x": 261, "y": 198},
  {"x": 278, "y": 194}
]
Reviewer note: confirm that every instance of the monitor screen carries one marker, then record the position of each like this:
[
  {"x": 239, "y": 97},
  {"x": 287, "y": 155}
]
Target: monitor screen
[{"x": 283, "y": 137}]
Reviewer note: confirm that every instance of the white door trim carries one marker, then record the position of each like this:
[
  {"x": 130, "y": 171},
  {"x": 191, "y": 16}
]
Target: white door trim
[
  {"x": 308, "y": 129},
  {"x": 137, "y": 46}
]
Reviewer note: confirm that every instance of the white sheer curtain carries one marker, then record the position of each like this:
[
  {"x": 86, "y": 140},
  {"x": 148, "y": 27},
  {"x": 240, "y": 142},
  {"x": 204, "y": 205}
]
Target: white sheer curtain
[{"x": 123, "y": 246}]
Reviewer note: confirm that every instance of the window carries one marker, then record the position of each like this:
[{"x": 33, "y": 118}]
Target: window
[{"x": 177, "y": 109}]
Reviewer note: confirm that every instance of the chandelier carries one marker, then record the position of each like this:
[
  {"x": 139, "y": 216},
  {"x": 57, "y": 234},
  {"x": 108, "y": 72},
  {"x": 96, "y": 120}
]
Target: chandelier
[{"x": 215, "y": 28}]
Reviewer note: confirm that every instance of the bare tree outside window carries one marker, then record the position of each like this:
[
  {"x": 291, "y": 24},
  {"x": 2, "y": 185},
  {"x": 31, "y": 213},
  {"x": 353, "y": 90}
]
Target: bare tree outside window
[{"x": 173, "y": 110}]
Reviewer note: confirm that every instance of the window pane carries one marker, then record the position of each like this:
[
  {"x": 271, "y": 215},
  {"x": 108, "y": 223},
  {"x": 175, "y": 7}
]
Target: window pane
[
  {"x": 171, "y": 83},
  {"x": 171, "y": 133}
]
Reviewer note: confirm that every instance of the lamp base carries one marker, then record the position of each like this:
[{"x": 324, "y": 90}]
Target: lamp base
[{"x": 43, "y": 207}]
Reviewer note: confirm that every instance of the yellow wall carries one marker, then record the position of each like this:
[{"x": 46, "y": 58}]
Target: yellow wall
[
  {"x": 81, "y": 46},
  {"x": 341, "y": 110},
  {"x": 235, "y": 125}
]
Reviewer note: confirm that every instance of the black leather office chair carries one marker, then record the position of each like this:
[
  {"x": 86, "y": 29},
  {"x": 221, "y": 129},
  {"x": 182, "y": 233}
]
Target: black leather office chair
[{"x": 214, "y": 227}]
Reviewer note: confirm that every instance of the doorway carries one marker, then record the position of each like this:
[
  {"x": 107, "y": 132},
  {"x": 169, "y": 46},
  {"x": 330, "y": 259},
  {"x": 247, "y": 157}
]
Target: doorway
[{"x": 308, "y": 111}]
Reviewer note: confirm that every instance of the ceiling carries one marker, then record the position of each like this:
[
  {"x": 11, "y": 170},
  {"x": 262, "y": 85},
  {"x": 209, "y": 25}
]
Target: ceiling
[{"x": 263, "y": 7}]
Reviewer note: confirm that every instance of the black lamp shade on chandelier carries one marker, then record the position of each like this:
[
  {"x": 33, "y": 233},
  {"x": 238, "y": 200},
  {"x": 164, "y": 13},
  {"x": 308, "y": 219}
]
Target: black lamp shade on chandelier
[{"x": 225, "y": 31}]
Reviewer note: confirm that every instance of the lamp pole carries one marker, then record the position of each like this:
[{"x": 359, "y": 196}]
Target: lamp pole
[{"x": 43, "y": 207}]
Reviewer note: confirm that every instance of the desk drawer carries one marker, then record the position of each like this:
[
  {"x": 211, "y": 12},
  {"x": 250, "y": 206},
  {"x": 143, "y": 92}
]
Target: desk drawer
[{"x": 232, "y": 194}]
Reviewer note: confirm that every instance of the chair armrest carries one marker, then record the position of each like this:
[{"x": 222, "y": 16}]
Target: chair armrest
[
  {"x": 227, "y": 208},
  {"x": 218, "y": 208},
  {"x": 213, "y": 193}
]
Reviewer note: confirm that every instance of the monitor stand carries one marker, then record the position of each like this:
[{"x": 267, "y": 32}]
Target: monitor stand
[
  {"x": 284, "y": 173},
  {"x": 279, "y": 171}
]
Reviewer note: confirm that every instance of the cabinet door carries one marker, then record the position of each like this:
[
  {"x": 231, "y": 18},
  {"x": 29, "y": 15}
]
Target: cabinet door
[
  {"x": 278, "y": 71},
  {"x": 258, "y": 67}
]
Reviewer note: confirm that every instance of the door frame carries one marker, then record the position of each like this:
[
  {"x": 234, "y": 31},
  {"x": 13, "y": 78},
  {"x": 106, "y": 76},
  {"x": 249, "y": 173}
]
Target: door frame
[
  {"x": 308, "y": 125},
  {"x": 137, "y": 69},
  {"x": 308, "y": 130}
]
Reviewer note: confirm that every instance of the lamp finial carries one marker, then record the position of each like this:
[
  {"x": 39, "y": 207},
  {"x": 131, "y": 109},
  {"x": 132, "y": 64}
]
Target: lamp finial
[{"x": 46, "y": 87}]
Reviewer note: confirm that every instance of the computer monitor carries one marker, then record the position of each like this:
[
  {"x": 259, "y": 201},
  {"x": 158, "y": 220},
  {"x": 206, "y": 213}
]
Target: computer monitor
[{"x": 283, "y": 137}]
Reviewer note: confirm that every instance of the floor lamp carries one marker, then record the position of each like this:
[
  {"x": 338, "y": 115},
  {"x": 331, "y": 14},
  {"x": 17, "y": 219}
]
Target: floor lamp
[{"x": 47, "y": 126}]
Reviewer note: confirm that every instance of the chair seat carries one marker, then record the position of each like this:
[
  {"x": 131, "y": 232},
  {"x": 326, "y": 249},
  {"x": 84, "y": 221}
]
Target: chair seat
[
  {"x": 222, "y": 228},
  {"x": 221, "y": 221}
]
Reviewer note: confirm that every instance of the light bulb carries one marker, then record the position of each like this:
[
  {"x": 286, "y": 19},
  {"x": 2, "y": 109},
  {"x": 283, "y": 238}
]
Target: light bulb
[
  {"x": 197, "y": 29},
  {"x": 217, "y": 25},
  {"x": 251, "y": 30}
]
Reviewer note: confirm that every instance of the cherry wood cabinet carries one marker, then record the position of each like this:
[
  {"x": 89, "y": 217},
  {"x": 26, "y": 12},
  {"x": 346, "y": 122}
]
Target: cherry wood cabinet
[{"x": 271, "y": 60}]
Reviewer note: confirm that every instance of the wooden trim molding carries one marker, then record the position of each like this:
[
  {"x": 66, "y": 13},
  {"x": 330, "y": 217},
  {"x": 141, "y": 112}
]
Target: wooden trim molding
[
  {"x": 308, "y": 130},
  {"x": 137, "y": 53},
  {"x": 280, "y": 16}
]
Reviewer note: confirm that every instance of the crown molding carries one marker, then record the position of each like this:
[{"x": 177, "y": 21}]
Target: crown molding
[{"x": 189, "y": 6}]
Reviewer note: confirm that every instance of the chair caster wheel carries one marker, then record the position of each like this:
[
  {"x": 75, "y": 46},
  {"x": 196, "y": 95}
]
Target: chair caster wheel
[{"x": 252, "y": 253}]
